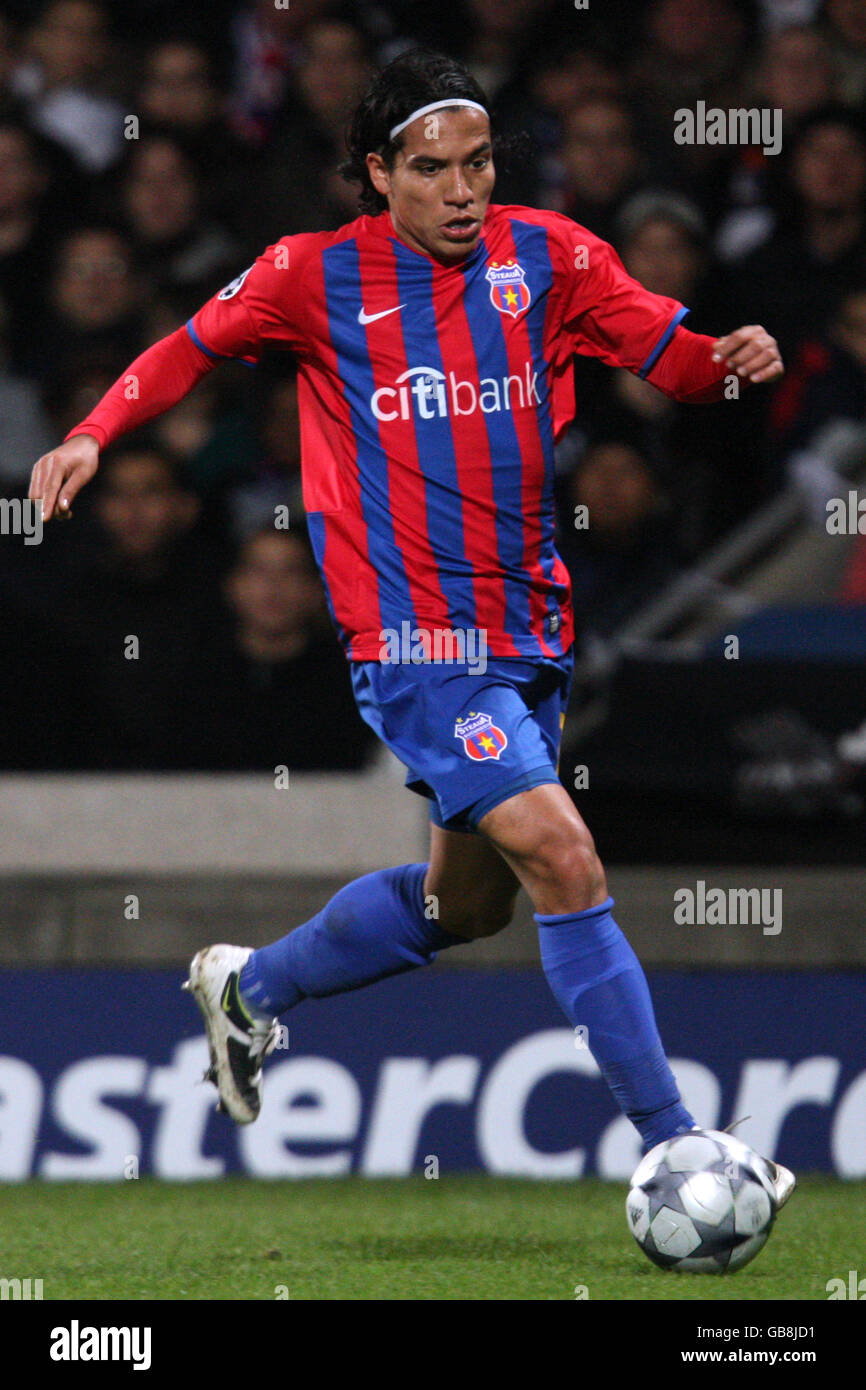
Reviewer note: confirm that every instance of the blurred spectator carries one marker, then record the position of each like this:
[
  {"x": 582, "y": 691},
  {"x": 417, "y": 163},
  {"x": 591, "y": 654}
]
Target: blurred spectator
[
  {"x": 188, "y": 427},
  {"x": 494, "y": 37},
  {"x": 212, "y": 430},
  {"x": 94, "y": 304},
  {"x": 536, "y": 107},
  {"x": 25, "y": 431},
  {"x": 26, "y": 232},
  {"x": 275, "y": 481},
  {"x": 795, "y": 71},
  {"x": 827, "y": 380},
  {"x": 175, "y": 240},
  {"x": 793, "y": 282},
  {"x": 267, "y": 48},
  {"x": 845, "y": 23},
  {"x": 691, "y": 50},
  {"x": 144, "y": 509},
  {"x": 212, "y": 433},
  {"x": 783, "y": 14},
  {"x": 178, "y": 89},
  {"x": 48, "y": 721},
  {"x": 62, "y": 81},
  {"x": 287, "y": 697},
  {"x": 70, "y": 393},
  {"x": 662, "y": 240},
  {"x": 601, "y": 162},
  {"x": 297, "y": 174},
  {"x": 179, "y": 95},
  {"x": 7, "y": 61},
  {"x": 853, "y": 588},
  {"x": 144, "y": 614},
  {"x": 621, "y": 549},
  {"x": 715, "y": 456},
  {"x": 794, "y": 75}
]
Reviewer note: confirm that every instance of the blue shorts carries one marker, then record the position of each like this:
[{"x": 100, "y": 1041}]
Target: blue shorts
[{"x": 469, "y": 740}]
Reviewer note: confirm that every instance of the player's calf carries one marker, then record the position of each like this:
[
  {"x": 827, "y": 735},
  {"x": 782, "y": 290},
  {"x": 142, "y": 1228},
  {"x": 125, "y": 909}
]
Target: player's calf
[{"x": 469, "y": 884}]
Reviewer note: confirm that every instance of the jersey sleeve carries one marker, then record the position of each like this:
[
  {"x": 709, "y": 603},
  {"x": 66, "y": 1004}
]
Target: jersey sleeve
[
  {"x": 157, "y": 379},
  {"x": 263, "y": 306},
  {"x": 606, "y": 313}
]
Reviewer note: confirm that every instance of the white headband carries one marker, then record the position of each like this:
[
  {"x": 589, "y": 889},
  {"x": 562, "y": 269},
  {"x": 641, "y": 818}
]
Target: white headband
[{"x": 435, "y": 106}]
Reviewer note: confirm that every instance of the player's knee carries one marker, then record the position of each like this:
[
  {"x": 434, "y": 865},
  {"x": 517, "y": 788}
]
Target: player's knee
[
  {"x": 564, "y": 855},
  {"x": 584, "y": 869}
]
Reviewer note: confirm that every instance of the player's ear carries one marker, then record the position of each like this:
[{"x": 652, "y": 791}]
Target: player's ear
[{"x": 379, "y": 175}]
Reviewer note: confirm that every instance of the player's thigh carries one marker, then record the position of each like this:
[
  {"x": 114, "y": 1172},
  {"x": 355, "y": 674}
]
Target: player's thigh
[{"x": 475, "y": 888}]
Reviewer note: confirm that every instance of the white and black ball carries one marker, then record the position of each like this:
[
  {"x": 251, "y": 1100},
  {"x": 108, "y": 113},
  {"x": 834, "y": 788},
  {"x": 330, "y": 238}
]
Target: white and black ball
[{"x": 701, "y": 1203}]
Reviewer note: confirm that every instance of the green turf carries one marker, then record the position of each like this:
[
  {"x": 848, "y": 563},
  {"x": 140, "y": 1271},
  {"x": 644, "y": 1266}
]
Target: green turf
[{"x": 455, "y": 1237}]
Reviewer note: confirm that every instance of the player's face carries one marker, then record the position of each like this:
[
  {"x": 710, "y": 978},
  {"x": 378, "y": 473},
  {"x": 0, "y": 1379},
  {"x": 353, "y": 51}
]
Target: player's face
[{"x": 441, "y": 182}]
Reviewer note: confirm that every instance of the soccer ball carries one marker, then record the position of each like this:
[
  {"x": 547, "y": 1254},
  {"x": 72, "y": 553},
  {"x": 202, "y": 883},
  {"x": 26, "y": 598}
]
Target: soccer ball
[{"x": 701, "y": 1203}]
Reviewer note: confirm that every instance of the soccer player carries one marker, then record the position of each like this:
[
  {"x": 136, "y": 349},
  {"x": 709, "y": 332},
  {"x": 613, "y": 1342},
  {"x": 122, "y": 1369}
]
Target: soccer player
[{"x": 434, "y": 339}]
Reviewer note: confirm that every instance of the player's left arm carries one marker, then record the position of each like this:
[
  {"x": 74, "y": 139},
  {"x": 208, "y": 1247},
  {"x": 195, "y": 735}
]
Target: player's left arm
[
  {"x": 697, "y": 369},
  {"x": 608, "y": 314}
]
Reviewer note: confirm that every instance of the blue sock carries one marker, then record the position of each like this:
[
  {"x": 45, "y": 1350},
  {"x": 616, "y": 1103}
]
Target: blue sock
[
  {"x": 372, "y": 928},
  {"x": 598, "y": 980}
]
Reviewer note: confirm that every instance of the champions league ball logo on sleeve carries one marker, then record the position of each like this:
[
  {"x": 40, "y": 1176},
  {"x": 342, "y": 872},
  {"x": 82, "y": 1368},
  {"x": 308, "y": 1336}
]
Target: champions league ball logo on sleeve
[
  {"x": 509, "y": 292},
  {"x": 481, "y": 737},
  {"x": 234, "y": 285}
]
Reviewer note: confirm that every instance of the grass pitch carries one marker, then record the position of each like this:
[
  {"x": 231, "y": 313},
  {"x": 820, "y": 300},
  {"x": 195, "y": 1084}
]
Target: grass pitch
[{"x": 354, "y": 1238}]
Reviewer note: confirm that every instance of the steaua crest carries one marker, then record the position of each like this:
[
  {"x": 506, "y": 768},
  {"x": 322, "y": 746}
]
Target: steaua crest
[
  {"x": 481, "y": 737},
  {"x": 509, "y": 292}
]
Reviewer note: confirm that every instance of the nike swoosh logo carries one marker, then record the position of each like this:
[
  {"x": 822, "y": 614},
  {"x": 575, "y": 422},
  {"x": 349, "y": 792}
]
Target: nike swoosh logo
[{"x": 371, "y": 318}]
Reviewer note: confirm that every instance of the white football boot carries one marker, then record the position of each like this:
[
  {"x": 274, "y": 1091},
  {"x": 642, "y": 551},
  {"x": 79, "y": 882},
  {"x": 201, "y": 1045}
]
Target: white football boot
[
  {"x": 238, "y": 1043},
  {"x": 781, "y": 1178}
]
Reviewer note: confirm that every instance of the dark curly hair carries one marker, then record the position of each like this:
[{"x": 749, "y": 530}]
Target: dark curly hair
[{"x": 417, "y": 78}]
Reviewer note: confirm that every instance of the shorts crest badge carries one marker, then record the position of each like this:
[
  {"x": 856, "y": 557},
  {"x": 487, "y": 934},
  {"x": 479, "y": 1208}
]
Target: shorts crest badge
[{"x": 481, "y": 737}]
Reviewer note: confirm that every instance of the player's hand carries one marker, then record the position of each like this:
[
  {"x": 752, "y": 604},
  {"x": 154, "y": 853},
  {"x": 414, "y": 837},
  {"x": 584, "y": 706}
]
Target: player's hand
[
  {"x": 751, "y": 353},
  {"x": 59, "y": 476}
]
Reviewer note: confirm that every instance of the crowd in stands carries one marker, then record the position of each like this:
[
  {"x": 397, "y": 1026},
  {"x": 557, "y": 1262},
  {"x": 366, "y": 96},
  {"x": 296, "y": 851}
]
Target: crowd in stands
[{"x": 148, "y": 152}]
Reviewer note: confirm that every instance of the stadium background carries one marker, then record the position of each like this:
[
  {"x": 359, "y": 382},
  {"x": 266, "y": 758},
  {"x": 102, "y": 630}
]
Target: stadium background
[{"x": 140, "y": 816}]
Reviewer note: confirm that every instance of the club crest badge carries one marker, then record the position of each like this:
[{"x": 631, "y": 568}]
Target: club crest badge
[
  {"x": 481, "y": 737},
  {"x": 509, "y": 292}
]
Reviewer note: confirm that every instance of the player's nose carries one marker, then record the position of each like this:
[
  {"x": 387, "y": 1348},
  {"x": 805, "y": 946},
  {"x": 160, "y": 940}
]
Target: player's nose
[{"x": 458, "y": 191}]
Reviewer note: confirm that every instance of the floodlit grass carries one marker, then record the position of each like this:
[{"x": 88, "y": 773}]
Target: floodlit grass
[{"x": 452, "y": 1238}]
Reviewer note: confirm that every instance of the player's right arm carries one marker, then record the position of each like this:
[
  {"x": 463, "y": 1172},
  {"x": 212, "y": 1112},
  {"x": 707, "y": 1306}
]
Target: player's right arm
[
  {"x": 157, "y": 379},
  {"x": 233, "y": 324}
]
